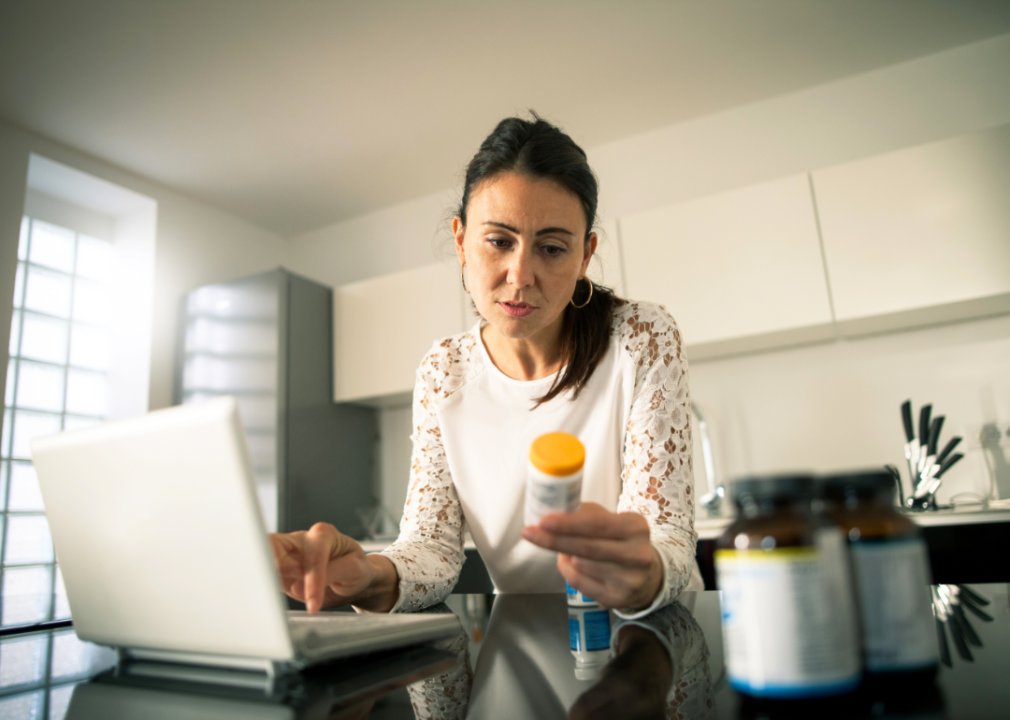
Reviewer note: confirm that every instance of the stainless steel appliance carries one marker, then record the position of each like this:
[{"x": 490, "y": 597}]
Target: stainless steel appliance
[{"x": 267, "y": 341}]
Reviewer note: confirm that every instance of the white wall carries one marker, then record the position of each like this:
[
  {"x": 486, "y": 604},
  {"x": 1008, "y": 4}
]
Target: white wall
[
  {"x": 398, "y": 238},
  {"x": 836, "y": 406},
  {"x": 196, "y": 244}
]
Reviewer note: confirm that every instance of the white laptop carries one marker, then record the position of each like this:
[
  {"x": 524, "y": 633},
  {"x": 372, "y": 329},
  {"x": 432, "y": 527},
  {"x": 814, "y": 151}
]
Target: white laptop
[{"x": 164, "y": 553}]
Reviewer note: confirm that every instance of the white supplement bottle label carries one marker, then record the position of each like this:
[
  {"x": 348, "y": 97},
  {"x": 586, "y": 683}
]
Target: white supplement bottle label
[
  {"x": 788, "y": 619},
  {"x": 547, "y": 494},
  {"x": 892, "y": 578}
]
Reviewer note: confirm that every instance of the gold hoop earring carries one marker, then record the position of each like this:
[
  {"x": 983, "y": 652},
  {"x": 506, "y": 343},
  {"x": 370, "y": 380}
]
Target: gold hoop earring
[
  {"x": 462, "y": 278},
  {"x": 572, "y": 301}
]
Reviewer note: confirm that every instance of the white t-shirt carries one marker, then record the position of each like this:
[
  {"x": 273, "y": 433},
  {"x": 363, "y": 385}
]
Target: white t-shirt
[{"x": 473, "y": 427}]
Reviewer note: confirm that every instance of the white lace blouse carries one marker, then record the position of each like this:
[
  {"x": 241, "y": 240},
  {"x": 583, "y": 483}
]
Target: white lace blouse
[{"x": 473, "y": 427}]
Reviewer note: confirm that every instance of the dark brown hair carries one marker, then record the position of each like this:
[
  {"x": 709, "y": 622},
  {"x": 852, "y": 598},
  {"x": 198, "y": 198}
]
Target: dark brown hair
[{"x": 540, "y": 150}]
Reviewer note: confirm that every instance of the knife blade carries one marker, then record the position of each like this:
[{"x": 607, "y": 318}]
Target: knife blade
[{"x": 947, "y": 449}]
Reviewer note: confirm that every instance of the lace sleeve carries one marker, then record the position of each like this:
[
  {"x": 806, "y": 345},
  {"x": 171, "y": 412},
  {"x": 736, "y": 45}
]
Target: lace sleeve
[
  {"x": 428, "y": 554},
  {"x": 658, "y": 481}
]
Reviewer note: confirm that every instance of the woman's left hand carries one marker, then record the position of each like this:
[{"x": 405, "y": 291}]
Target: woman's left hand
[{"x": 606, "y": 556}]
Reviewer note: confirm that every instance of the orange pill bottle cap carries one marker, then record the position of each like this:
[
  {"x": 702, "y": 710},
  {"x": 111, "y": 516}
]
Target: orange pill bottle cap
[{"x": 558, "y": 454}]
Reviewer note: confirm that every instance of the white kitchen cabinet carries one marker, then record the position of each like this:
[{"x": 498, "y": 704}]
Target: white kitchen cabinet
[
  {"x": 740, "y": 271},
  {"x": 920, "y": 235},
  {"x": 383, "y": 327}
]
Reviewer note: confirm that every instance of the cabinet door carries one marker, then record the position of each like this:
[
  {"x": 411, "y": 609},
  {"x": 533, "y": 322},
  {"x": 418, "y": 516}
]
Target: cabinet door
[
  {"x": 385, "y": 325},
  {"x": 739, "y": 271},
  {"x": 919, "y": 235}
]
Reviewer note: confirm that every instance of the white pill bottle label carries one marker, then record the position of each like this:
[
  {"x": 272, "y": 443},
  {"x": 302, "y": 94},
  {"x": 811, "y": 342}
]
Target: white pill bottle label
[
  {"x": 547, "y": 494},
  {"x": 892, "y": 579},
  {"x": 788, "y": 619}
]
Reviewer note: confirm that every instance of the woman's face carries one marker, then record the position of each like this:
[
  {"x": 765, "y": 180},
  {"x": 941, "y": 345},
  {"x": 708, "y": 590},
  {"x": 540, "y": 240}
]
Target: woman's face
[{"x": 524, "y": 248}]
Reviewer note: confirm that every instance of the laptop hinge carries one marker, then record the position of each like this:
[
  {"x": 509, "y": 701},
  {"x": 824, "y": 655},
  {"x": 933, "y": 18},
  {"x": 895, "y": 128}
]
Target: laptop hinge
[{"x": 198, "y": 667}]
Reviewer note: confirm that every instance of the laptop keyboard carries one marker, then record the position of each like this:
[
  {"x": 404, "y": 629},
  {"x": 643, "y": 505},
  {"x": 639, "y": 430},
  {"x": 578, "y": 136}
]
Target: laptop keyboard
[{"x": 360, "y": 620}]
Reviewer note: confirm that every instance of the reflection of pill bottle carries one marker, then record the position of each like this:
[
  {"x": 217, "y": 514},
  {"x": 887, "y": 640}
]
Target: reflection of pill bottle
[
  {"x": 788, "y": 616},
  {"x": 589, "y": 638},
  {"x": 554, "y": 480},
  {"x": 891, "y": 571},
  {"x": 577, "y": 599}
]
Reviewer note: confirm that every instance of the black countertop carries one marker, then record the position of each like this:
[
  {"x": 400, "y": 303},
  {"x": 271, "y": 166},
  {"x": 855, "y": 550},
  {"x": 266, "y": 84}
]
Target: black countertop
[{"x": 521, "y": 668}]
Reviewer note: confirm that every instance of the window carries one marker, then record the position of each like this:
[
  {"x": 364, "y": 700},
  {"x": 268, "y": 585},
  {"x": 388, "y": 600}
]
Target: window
[{"x": 57, "y": 379}]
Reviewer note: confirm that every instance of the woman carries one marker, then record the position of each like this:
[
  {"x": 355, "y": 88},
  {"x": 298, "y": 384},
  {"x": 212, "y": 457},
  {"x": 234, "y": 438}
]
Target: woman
[{"x": 551, "y": 352}]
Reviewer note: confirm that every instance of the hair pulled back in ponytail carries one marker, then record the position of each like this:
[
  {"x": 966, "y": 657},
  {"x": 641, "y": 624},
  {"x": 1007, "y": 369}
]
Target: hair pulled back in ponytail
[{"x": 537, "y": 149}]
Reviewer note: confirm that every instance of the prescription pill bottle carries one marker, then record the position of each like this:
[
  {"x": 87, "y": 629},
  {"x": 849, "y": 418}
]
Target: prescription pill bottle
[
  {"x": 891, "y": 572},
  {"x": 554, "y": 479},
  {"x": 788, "y": 616}
]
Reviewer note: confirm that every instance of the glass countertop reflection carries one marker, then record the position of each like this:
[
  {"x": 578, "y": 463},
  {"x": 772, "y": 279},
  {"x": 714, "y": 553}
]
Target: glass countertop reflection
[{"x": 511, "y": 659}]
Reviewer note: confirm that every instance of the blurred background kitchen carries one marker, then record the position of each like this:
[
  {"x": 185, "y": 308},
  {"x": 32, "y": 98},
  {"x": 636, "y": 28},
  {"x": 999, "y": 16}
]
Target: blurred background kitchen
[{"x": 818, "y": 192}]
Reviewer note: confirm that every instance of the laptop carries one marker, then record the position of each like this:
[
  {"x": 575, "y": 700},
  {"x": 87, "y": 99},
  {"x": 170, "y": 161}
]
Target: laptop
[{"x": 165, "y": 556}]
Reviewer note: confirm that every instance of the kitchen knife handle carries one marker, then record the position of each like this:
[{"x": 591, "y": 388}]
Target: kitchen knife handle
[
  {"x": 906, "y": 418},
  {"x": 969, "y": 632},
  {"x": 957, "y": 633},
  {"x": 977, "y": 611},
  {"x": 972, "y": 595},
  {"x": 947, "y": 464},
  {"x": 934, "y": 433},
  {"x": 947, "y": 449},
  {"x": 924, "y": 414}
]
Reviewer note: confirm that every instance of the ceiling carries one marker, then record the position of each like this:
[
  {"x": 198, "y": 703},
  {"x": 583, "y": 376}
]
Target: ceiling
[{"x": 300, "y": 113}]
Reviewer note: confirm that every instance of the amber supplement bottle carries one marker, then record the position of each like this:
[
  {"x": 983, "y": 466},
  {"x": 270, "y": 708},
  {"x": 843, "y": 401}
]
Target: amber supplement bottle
[
  {"x": 788, "y": 617},
  {"x": 891, "y": 572}
]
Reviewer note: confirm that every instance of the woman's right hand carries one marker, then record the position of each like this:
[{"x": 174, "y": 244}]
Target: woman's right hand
[{"x": 322, "y": 567}]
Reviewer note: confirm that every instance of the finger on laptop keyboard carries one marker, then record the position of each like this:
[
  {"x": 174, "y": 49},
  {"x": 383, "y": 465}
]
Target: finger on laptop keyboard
[
  {"x": 288, "y": 558},
  {"x": 322, "y": 543}
]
